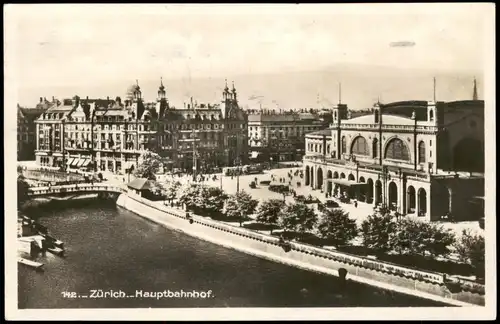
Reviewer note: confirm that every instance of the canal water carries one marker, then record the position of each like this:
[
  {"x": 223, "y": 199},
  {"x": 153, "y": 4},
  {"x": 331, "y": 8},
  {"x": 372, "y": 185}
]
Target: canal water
[{"x": 110, "y": 249}]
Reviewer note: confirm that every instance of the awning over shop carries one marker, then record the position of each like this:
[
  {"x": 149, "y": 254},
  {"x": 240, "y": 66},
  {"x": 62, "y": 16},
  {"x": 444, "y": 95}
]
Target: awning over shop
[
  {"x": 80, "y": 162},
  {"x": 347, "y": 183},
  {"x": 74, "y": 162},
  {"x": 255, "y": 154},
  {"x": 86, "y": 162},
  {"x": 70, "y": 160}
]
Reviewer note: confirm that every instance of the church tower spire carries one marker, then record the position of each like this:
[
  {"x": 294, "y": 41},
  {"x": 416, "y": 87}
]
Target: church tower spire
[{"x": 161, "y": 91}]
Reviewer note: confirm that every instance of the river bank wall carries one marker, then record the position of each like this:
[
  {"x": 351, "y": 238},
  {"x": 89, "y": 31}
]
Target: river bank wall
[{"x": 383, "y": 275}]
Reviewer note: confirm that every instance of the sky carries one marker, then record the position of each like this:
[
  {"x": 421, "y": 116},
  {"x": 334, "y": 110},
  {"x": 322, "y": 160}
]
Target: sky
[{"x": 81, "y": 48}]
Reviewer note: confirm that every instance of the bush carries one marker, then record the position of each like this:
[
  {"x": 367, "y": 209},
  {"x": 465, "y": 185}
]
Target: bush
[
  {"x": 279, "y": 188},
  {"x": 471, "y": 250},
  {"x": 331, "y": 204}
]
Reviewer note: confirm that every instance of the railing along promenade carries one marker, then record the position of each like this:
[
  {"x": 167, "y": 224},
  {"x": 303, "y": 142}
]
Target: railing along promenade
[{"x": 76, "y": 188}]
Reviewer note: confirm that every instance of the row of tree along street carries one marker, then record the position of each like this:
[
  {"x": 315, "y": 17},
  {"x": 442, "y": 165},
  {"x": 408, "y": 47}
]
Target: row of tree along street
[{"x": 406, "y": 240}]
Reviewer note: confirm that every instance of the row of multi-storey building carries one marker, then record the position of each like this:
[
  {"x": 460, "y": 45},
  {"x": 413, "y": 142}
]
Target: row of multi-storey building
[
  {"x": 417, "y": 157},
  {"x": 26, "y": 128},
  {"x": 110, "y": 134},
  {"x": 280, "y": 136}
]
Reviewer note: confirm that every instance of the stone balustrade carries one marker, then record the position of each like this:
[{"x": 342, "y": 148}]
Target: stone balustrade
[{"x": 39, "y": 191}]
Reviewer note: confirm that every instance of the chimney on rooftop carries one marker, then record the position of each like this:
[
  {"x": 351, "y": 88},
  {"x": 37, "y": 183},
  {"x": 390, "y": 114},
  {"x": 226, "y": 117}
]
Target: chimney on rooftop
[{"x": 41, "y": 99}]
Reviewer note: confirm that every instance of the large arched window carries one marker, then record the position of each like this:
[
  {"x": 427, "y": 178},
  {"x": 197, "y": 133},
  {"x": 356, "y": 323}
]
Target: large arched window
[
  {"x": 375, "y": 147},
  {"x": 344, "y": 150},
  {"x": 359, "y": 146},
  {"x": 397, "y": 150},
  {"x": 421, "y": 152}
]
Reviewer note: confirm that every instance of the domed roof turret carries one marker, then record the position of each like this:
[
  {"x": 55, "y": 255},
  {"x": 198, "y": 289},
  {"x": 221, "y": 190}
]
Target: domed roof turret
[
  {"x": 132, "y": 90},
  {"x": 162, "y": 88}
]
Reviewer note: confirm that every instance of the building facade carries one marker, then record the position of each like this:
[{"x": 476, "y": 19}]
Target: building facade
[
  {"x": 275, "y": 137},
  {"x": 26, "y": 128},
  {"x": 110, "y": 135},
  {"x": 416, "y": 157}
]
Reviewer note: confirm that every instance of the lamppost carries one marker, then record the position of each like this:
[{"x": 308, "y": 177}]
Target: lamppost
[
  {"x": 384, "y": 176},
  {"x": 238, "y": 162},
  {"x": 195, "y": 153},
  {"x": 63, "y": 140},
  {"x": 92, "y": 117}
]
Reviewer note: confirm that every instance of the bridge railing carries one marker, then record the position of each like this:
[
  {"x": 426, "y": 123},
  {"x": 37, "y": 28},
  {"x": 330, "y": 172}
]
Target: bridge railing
[{"x": 75, "y": 188}]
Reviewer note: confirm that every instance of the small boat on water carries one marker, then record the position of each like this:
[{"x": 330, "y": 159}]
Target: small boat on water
[
  {"x": 53, "y": 241},
  {"x": 32, "y": 264},
  {"x": 56, "y": 250}
]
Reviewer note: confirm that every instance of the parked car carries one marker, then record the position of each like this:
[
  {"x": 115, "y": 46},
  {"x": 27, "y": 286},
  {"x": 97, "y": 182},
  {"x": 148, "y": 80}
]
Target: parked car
[
  {"x": 300, "y": 198},
  {"x": 331, "y": 204}
]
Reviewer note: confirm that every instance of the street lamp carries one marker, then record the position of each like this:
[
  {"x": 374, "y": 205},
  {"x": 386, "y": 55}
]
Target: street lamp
[
  {"x": 238, "y": 162},
  {"x": 385, "y": 176},
  {"x": 195, "y": 153}
]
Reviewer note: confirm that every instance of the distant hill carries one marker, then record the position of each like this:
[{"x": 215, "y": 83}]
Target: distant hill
[{"x": 361, "y": 86}]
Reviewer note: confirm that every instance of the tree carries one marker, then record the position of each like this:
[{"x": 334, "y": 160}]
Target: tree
[
  {"x": 148, "y": 165},
  {"x": 470, "y": 248},
  {"x": 336, "y": 227},
  {"x": 240, "y": 205},
  {"x": 202, "y": 199},
  {"x": 297, "y": 217},
  {"x": 22, "y": 190},
  {"x": 212, "y": 199},
  {"x": 417, "y": 237},
  {"x": 376, "y": 231},
  {"x": 410, "y": 237},
  {"x": 269, "y": 211},
  {"x": 440, "y": 240},
  {"x": 170, "y": 189},
  {"x": 188, "y": 194},
  {"x": 156, "y": 188}
]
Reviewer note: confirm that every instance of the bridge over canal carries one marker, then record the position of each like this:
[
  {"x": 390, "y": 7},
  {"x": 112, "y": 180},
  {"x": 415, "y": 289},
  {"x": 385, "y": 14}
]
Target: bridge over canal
[{"x": 76, "y": 189}]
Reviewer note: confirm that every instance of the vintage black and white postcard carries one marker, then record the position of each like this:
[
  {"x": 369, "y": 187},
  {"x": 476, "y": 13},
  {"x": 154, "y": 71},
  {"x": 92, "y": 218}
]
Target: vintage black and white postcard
[{"x": 284, "y": 161}]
